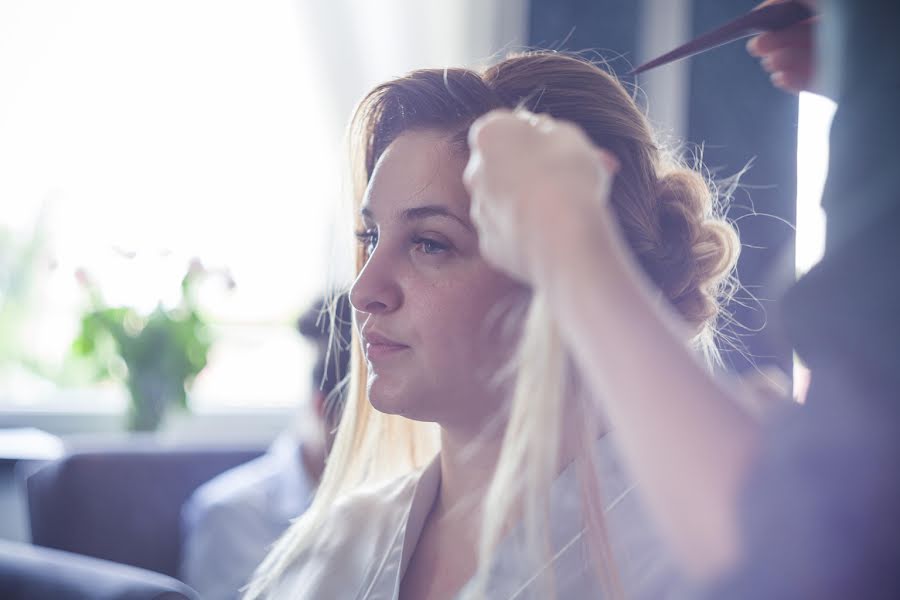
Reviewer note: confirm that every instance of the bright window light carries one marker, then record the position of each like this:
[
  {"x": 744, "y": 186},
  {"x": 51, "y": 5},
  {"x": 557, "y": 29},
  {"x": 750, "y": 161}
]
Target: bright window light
[
  {"x": 137, "y": 136},
  {"x": 816, "y": 113}
]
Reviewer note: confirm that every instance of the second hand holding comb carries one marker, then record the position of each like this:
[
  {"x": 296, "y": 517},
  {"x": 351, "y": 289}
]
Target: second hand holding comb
[{"x": 768, "y": 18}]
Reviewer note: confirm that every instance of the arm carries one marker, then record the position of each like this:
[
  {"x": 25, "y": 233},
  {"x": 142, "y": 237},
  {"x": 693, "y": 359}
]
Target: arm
[{"x": 685, "y": 436}]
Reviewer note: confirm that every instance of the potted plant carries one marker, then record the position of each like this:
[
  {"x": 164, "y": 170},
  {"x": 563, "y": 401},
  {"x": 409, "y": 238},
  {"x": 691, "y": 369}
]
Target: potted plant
[{"x": 161, "y": 352}]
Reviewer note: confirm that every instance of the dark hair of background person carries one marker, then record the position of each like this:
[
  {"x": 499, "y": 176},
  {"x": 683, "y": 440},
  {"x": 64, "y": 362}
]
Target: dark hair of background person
[{"x": 331, "y": 334}]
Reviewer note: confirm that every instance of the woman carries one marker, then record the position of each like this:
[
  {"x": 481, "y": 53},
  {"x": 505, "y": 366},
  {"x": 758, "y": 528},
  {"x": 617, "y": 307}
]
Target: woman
[{"x": 399, "y": 512}]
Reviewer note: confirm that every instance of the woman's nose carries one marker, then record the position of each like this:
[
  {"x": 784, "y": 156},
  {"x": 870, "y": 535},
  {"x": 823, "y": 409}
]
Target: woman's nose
[{"x": 375, "y": 290}]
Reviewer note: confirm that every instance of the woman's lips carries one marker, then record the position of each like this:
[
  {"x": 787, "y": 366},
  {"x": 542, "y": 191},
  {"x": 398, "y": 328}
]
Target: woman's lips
[
  {"x": 378, "y": 351},
  {"x": 378, "y": 346}
]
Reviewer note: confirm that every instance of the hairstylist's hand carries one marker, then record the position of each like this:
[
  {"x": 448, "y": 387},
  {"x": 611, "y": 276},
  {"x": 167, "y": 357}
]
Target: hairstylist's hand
[
  {"x": 788, "y": 55},
  {"x": 537, "y": 185}
]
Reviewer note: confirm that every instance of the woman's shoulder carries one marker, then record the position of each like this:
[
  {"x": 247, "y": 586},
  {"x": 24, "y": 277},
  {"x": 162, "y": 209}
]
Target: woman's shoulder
[
  {"x": 369, "y": 508},
  {"x": 356, "y": 533}
]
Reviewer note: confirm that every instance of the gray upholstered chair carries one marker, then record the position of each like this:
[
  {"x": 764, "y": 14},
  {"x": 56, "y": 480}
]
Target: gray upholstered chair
[
  {"x": 122, "y": 505},
  {"x": 33, "y": 573}
]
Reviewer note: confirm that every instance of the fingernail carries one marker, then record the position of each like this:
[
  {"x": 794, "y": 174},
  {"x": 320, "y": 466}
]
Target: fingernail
[
  {"x": 751, "y": 47},
  {"x": 777, "y": 79}
]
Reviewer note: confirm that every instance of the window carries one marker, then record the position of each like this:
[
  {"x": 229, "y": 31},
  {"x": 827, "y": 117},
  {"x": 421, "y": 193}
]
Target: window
[
  {"x": 816, "y": 113},
  {"x": 136, "y": 137}
]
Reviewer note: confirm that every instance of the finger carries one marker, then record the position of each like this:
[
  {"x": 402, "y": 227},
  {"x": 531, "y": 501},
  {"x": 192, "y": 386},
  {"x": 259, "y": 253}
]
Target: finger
[
  {"x": 540, "y": 121},
  {"x": 798, "y": 36},
  {"x": 490, "y": 252},
  {"x": 480, "y": 131},
  {"x": 472, "y": 172},
  {"x": 570, "y": 140},
  {"x": 476, "y": 215},
  {"x": 476, "y": 210},
  {"x": 608, "y": 167},
  {"x": 789, "y": 60},
  {"x": 790, "y": 81},
  {"x": 610, "y": 162},
  {"x": 571, "y": 132},
  {"x": 500, "y": 258},
  {"x": 481, "y": 213}
]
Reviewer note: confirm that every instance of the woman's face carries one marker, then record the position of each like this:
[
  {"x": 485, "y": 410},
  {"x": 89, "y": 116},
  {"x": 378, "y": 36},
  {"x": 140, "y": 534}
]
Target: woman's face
[{"x": 429, "y": 307}]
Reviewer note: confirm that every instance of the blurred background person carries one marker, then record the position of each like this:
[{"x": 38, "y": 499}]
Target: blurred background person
[{"x": 230, "y": 521}]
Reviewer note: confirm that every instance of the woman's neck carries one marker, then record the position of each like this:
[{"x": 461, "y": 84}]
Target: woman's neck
[
  {"x": 468, "y": 461},
  {"x": 467, "y": 466},
  {"x": 443, "y": 559}
]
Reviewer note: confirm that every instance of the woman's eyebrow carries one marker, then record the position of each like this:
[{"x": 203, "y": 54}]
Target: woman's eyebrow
[
  {"x": 422, "y": 212},
  {"x": 434, "y": 210}
]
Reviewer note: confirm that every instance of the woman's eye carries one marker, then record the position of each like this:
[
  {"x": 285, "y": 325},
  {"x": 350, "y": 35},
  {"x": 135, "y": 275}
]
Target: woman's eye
[
  {"x": 430, "y": 246},
  {"x": 368, "y": 239}
]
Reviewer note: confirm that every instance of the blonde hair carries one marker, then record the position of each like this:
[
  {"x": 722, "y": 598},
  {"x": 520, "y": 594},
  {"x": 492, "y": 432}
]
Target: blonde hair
[{"x": 668, "y": 216}]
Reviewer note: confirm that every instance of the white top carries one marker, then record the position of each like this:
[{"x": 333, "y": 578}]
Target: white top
[
  {"x": 365, "y": 544},
  {"x": 231, "y": 521}
]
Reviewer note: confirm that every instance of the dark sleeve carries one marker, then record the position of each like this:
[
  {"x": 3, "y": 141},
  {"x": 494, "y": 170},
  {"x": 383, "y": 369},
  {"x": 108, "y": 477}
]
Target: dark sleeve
[
  {"x": 820, "y": 515},
  {"x": 859, "y": 47}
]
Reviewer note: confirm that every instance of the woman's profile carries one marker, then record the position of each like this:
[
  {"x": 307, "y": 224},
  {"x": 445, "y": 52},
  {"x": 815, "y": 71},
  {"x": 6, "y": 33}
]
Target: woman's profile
[{"x": 450, "y": 350}]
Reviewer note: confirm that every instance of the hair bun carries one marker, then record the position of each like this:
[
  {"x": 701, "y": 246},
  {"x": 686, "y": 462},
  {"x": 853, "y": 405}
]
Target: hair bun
[{"x": 696, "y": 248}]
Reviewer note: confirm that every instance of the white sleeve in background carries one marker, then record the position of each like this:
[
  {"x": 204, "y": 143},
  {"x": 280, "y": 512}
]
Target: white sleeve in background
[
  {"x": 231, "y": 522},
  {"x": 222, "y": 550}
]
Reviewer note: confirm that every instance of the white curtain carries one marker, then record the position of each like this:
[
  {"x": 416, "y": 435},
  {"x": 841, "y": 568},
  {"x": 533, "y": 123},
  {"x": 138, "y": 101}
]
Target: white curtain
[
  {"x": 365, "y": 42},
  {"x": 136, "y": 135}
]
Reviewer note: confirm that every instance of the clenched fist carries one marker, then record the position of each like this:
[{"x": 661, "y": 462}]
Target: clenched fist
[{"x": 537, "y": 186}]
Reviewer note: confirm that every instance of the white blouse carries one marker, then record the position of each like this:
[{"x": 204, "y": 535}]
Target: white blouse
[{"x": 362, "y": 550}]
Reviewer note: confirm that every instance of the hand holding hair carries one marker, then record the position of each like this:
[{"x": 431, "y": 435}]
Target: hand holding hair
[{"x": 537, "y": 185}]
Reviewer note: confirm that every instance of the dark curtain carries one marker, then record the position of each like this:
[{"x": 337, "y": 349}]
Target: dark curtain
[{"x": 739, "y": 120}]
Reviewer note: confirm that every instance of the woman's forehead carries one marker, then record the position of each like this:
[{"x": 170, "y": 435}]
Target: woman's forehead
[{"x": 419, "y": 167}]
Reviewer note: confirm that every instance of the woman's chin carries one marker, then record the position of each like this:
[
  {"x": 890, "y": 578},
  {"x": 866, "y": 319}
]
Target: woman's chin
[
  {"x": 394, "y": 406},
  {"x": 388, "y": 397}
]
